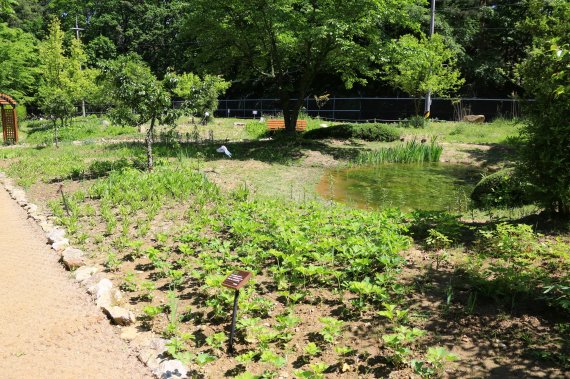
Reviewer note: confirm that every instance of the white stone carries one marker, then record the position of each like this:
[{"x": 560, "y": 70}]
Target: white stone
[
  {"x": 56, "y": 235},
  {"x": 84, "y": 273},
  {"x": 119, "y": 316},
  {"x": 171, "y": 369},
  {"x": 32, "y": 208},
  {"x": 129, "y": 333},
  {"x": 72, "y": 258},
  {"x": 102, "y": 292},
  {"x": 46, "y": 226},
  {"x": 60, "y": 245}
]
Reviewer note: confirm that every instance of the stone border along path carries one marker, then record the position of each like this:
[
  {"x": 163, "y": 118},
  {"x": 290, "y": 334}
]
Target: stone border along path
[{"x": 49, "y": 327}]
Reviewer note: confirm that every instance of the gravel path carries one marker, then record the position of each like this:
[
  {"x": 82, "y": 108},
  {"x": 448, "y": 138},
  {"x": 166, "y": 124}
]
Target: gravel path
[{"x": 49, "y": 328}]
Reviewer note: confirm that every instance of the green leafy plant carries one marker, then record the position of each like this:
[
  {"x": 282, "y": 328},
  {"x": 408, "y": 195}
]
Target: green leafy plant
[
  {"x": 399, "y": 341},
  {"x": 315, "y": 371},
  {"x": 332, "y": 328},
  {"x": 267, "y": 356},
  {"x": 397, "y": 316},
  {"x": 312, "y": 349},
  {"x": 216, "y": 340}
]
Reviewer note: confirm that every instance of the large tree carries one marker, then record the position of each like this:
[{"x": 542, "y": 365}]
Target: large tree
[
  {"x": 285, "y": 44},
  {"x": 138, "y": 97},
  {"x": 490, "y": 43},
  {"x": 149, "y": 28},
  {"x": 419, "y": 65},
  {"x": 64, "y": 82},
  {"x": 18, "y": 62},
  {"x": 546, "y": 79}
]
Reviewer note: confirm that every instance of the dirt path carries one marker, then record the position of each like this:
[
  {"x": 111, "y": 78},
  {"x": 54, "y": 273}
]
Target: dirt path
[{"x": 48, "y": 326}]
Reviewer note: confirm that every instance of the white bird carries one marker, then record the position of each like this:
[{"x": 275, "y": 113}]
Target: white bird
[{"x": 223, "y": 149}]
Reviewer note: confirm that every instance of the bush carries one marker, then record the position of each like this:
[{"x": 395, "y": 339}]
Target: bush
[
  {"x": 368, "y": 132},
  {"x": 256, "y": 129},
  {"x": 375, "y": 132},
  {"x": 22, "y": 112},
  {"x": 503, "y": 188},
  {"x": 342, "y": 131},
  {"x": 417, "y": 122}
]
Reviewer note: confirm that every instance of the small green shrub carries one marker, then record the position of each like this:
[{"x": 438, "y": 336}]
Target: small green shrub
[
  {"x": 375, "y": 132},
  {"x": 342, "y": 131},
  {"x": 256, "y": 129},
  {"x": 415, "y": 122},
  {"x": 22, "y": 112},
  {"x": 423, "y": 222},
  {"x": 368, "y": 132},
  {"x": 503, "y": 188}
]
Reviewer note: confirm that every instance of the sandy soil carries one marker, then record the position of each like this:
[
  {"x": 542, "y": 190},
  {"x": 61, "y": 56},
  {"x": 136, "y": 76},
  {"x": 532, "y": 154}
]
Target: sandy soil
[{"x": 49, "y": 328}]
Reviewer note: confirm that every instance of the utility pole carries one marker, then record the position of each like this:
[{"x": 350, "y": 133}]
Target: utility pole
[
  {"x": 427, "y": 105},
  {"x": 77, "y": 29}
]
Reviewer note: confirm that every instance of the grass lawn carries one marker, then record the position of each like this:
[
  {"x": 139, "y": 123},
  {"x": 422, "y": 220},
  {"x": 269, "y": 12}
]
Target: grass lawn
[{"x": 337, "y": 292}]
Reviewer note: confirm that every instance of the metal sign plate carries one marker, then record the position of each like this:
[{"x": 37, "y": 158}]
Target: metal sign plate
[{"x": 237, "y": 279}]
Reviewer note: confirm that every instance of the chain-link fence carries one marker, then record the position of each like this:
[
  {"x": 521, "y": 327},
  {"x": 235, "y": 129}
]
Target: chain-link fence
[
  {"x": 368, "y": 109},
  {"x": 364, "y": 109}
]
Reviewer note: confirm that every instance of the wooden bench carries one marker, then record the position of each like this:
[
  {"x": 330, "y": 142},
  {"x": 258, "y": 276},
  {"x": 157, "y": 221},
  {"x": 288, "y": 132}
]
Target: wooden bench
[{"x": 274, "y": 125}]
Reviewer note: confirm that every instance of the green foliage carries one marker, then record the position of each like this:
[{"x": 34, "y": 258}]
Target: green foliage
[
  {"x": 400, "y": 341},
  {"x": 216, "y": 340},
  {"x": 368, "y": 132},
  {"x": 423, "y": 222},
  {"x": 396, "y": 316},
  {"x": 200, "y": 95},
  {"x": 545, "y": 76},
  {"x": 312, "y": 349},
  {"x": 19, "y": 59},
  {"x": 504, "y": 188},
  {"x": 287, "y": 44},
  {"x": 315, "y": 371},
  {"x": 137, "y": 97},
  {"x": 332, "y": 329},
  {"x": 416, "y": 122},
  {"x": 417, "y": 66},
  {"x": 436, "y": 358},
  {"x": 256, "y": 129},
  {"x": 508, "y": 240},
  {"x": 6, "y": 7},
  {"x": 64, "y": 82},
  {"x": 268, "y": 356},
  {"x": 80, "y": 129},
  {"x": 410, "y": 152},
  {"x": 523, "y": 266}
]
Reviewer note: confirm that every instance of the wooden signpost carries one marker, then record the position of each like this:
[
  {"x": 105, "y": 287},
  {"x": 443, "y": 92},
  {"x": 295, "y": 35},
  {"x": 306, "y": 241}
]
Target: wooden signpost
[{"x": 235, "y": 281}]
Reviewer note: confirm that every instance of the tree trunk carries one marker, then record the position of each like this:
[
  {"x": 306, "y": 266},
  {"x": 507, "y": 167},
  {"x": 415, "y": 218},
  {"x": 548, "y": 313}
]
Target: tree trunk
[
  {"x": 56, "y": 140},
  {"x": 149, "y": 140},
  {"x": 291, "y": 113}
]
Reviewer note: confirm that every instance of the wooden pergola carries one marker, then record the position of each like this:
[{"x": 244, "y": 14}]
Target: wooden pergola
[{"x": 9, "y": 119}]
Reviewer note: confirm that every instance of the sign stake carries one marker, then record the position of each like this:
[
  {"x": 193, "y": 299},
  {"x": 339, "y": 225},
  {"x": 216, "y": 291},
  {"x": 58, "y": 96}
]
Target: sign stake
[
  {"x": 235, "y": 281},
  {"x": 231, "y": 349},
  {"x": 64, "y": 199}
]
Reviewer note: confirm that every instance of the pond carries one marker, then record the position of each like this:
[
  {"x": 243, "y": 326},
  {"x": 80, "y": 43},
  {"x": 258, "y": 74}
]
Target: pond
[{"x": 431, "y": 186}]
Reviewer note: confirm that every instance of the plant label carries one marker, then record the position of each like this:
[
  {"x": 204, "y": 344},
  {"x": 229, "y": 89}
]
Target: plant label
[{"x": 237, "y": 279}]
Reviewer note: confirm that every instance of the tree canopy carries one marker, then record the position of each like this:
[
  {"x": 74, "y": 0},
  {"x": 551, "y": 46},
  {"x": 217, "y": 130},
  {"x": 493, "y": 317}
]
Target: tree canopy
[
  {"x": 419, "y": 65},
  {"x": 19, "y": 59},
  {"x": 285, "y": 44},
  {"x": 546, "y": 78}
]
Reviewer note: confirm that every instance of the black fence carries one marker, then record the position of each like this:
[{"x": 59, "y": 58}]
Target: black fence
[{"x": 367, "y": 109}]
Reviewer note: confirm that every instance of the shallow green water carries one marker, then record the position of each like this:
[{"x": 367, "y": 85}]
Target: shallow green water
[{"x": 432, "y": 186}]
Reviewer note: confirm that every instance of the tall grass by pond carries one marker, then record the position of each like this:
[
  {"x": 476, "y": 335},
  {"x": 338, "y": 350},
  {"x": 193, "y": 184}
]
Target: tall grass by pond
[{"x": 410, "y": 152}]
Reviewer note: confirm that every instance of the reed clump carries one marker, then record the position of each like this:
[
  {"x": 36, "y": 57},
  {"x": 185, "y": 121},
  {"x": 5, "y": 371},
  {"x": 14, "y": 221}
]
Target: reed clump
[{"x": 410, "y": 152}]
